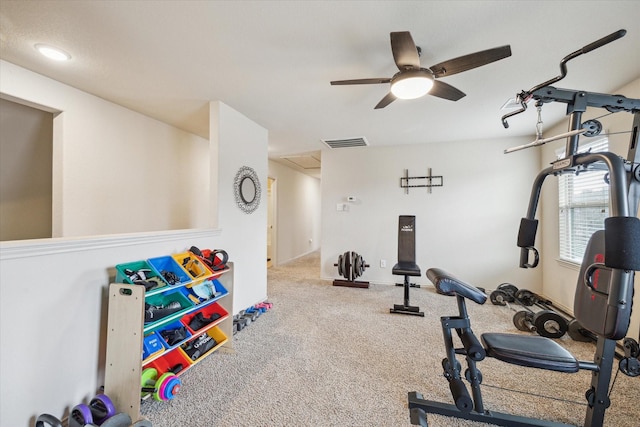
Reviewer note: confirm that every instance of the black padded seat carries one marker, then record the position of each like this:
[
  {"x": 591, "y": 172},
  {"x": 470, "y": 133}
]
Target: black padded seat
[
  {"x": 529, "y": 350},
  {"x": 406, "y": 269}
]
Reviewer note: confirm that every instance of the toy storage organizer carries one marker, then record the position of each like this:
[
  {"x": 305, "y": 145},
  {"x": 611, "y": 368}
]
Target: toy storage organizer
[{"x": 135, "y": 343}]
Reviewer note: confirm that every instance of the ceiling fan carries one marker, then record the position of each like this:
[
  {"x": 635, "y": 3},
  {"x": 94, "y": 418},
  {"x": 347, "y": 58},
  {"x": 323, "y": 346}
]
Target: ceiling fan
[{"x": 413, "y": 81}]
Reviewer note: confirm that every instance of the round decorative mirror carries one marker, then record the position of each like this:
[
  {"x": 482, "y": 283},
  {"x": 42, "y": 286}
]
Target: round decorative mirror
[{"x": 247, "y": 191}]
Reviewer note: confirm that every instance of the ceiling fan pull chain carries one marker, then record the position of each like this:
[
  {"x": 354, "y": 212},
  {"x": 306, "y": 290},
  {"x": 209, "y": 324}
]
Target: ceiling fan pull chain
[{"x": 539, "y": 123}]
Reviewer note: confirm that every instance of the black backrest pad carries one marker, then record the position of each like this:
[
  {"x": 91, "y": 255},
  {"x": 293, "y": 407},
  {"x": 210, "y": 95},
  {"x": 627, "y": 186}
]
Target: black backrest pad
[
  {"x": 605, "y": 312},
  {"x": 407, "y": 238}
]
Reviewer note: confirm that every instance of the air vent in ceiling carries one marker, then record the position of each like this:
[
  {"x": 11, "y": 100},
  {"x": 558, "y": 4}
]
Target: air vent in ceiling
[{"x": 346, "y": 142}]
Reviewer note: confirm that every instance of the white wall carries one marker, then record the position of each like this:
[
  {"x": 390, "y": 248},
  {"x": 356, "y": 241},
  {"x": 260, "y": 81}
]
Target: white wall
[
  {"x": 297, "y": 212},
  {"x": 559, "y": 279},
  {"x": 53, "y": 292},
  {"x": 115, "y": 170},
  {"x": 240, "y": 142},
  {"x": 53, "y": 316},
  {"x": 469, "y": 226}
]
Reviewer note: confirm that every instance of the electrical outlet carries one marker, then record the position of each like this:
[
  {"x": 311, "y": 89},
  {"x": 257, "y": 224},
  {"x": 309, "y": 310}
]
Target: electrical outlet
[{"x": 383, "y": 263}]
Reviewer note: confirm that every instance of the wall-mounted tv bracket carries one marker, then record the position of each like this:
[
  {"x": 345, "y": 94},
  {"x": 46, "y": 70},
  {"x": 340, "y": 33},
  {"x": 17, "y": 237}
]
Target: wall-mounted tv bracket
[{"x": 429, "y": 181}]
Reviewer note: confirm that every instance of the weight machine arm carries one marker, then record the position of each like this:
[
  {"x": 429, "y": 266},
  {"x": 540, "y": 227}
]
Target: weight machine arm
[
  {"x": 524, "y": 96},
  {"x": 624, "y": 177}
]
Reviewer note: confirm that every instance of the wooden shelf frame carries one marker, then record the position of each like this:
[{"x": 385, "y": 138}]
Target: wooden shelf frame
[{"x": 125, "y": 333}]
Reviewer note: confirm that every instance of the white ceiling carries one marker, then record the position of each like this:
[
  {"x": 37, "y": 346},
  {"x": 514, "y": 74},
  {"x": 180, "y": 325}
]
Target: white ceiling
[{"x": 273, "y": 61}]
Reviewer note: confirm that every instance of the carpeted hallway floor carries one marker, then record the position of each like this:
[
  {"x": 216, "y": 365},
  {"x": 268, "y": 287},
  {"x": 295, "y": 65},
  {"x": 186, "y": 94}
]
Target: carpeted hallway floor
[{"x": 334, "y": 356}]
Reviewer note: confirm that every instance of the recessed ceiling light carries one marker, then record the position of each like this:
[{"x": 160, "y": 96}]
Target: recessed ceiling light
[{"x": 52, "y": 52}]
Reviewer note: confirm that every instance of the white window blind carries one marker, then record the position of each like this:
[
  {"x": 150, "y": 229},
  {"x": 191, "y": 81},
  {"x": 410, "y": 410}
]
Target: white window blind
[{"x": 583, "y": 205}]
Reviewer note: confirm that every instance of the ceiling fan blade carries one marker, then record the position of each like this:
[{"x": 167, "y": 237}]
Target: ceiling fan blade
[
  {"x": 388, "y": 99},
  {"x": 446, "y": 91},
  {"x": 468, "y": 62},
  {"x": 405, "y": 53},
  {"x": 361, "y": 81}
]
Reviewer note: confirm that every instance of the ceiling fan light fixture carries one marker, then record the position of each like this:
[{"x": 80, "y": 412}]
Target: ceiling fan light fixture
[
  {"x": 52, "y": 52},
  {"x": 411, "y": 84}
]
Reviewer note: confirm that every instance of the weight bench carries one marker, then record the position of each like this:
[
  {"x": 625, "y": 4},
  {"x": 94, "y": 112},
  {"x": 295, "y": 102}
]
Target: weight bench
[
  {"x": 602, "y": 305},
  {"x": 406, "y": 265}
]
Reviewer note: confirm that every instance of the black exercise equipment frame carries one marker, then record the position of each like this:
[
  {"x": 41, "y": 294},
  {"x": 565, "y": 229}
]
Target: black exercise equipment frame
[
  {"x": 624, "y": 178},
  {"x": 474, "y": 409}
]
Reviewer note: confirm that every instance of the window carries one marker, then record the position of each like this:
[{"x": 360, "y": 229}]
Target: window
[{"x": 583, "y": 206}]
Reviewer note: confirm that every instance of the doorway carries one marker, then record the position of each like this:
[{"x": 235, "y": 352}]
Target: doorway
[
  {"x": 271, "y": 222},
  {"x": 26, "y": 165}
]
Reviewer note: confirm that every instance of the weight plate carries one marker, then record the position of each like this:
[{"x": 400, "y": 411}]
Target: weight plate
[
  {"x": 48, "y": 420},
  {"x": 354, "y": 267},
  {"x": 80, "y": 414},
  {"x": 521, "y": 321},
  {"x": 340, "y": 266},
  {"x": 509, "y": 289},
  {"x": 172, "y": 388},
  {"x": 161, "y": 384},
  {"x": 347, "y": 266},
  {"x": 526, "y": 297},
  {"x": 149, "y": 377},
  {"x": 357, "y": 271},
  {"x": 101, "y": 408},
  {"x": 118, "y": 420},
  {"x": 498, "y": 297},
  {"x": 550, "y": 324},
  {"x": 575, "y": 331},
  {"x": 345, "y": 273}
]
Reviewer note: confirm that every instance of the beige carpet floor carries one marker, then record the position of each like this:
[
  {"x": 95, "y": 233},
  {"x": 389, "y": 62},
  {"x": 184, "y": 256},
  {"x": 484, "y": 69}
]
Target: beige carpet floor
[{"x": 335, "y": 356}]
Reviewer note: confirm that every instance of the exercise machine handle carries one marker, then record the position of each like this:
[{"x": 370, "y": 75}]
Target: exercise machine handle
[
  {"x": 524, "y": 96},
  {"x": 603, "y": 41},
  {"x": 589, "y": 277},
  {"x": 524, "y": 257}
]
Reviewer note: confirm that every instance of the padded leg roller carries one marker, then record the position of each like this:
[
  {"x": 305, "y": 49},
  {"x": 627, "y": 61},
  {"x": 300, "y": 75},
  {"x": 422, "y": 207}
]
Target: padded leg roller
[{"x": 460, "y": 395}]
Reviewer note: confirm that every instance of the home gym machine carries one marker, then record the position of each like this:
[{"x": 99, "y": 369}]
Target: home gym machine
[{"x": 604, "y": 290}]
